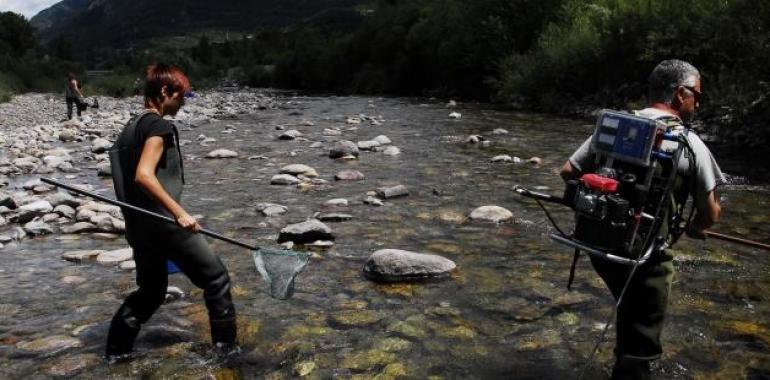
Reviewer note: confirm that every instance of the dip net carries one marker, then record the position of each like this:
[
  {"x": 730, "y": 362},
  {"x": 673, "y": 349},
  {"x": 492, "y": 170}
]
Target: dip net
[{"x": 279, "y": 268}]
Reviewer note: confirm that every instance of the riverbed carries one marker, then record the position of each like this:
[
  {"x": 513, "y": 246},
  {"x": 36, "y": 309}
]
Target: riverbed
[{"x": 504, "y": 312}]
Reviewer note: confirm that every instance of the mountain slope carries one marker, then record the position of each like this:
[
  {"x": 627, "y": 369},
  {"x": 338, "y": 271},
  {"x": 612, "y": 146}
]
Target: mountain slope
[{"x": 95, "y": 24}]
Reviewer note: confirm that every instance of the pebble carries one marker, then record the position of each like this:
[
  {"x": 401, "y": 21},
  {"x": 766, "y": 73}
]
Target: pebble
[
  {"x": 502, "y": 158},
  {"x": 382, "y": 139},
  {"x": 344, "y": 148},
  {"x": 73, "y": 280},
  {"x": 373, "y": 201},
  {"x": 455, "y": 115}
]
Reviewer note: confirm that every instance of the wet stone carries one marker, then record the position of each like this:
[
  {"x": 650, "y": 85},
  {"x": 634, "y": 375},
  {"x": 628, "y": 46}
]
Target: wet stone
[
  {"x": 368, "y": 360},
  {"x": 284, "y": 179},
  {"x": 305, "y": 232},
  {"x": 115, "y": 257},
  {"x": 392, "y": 192},
  {"x": 100, "y": 145},
  {"x": 349, "y": 175},
  {"x": 393, "y": 345},
  {"x": 337, "y": 202},
  {"x": 78, "y": 228},
  {"x": 36, "y": 228},
  {"x": 373, "y": 201},
  {"x": 303, "y": 369},
  {"x": 71, "y": 366},
  {"x": 382, "y": 139},
  {"x": 291, "y": 134},
  {"x": 368, "y": 145},
  {"x": 65, "y": 211},
  {"x": 394, "y": 265},
  {"x": 491, "y": 213},
  {"x": 271, "y": 209},
  {"x": 343, "y": 148},
  {"x": 127, "y": 265},
  {"x": 351, "y": 318},
  {"x": 500, "y": 131},
  {"x": 222, "y": 153},
  {"x": 73, "y": 280},
  {"x": 502, "y": 158},
  {"x": 104, "y": 169},
  {"x": 391, "y": 151},
  {"x": 299, "y": 169},
  {"x": 49, "y": 345},
  {"x": 335, "y": 217}
]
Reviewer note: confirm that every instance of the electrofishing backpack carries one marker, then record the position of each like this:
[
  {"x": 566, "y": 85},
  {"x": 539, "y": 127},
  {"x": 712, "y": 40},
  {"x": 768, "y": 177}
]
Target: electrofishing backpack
[{"x": 622, "y": 204}]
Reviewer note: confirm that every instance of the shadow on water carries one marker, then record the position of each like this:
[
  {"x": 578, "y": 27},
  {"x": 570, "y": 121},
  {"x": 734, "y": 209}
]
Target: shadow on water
[{"x": 505, "y": 313}]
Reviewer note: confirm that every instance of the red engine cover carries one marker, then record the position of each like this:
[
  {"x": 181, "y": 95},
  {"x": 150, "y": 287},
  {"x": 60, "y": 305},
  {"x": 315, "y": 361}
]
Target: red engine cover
[{"x": 599, "y": 183}]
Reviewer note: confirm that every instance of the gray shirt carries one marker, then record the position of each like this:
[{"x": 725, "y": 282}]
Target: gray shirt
[{"x": 707, "y": 173}]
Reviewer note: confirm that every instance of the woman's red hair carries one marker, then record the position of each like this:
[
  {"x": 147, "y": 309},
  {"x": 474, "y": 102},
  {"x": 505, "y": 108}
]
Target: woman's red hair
[{"x": 162, "y": 75}]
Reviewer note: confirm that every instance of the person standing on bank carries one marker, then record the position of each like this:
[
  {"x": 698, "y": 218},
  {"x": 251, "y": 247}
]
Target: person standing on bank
[
  {"x": 72, "y": 95},
  {"x": 152, "y": 175},
  {"x": 674, "y": 95}
]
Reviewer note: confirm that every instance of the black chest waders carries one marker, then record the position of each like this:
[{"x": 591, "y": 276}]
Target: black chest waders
[{"x": 622, "y": 205}]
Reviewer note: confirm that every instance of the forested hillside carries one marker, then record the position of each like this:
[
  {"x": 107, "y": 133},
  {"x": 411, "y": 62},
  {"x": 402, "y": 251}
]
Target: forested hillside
[{"x": 561, "y": 56}]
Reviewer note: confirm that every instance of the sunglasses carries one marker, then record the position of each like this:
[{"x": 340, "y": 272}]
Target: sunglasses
[{"x": 695, "y": 93}]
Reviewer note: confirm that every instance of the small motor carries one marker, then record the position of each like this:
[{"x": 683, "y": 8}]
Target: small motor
[{"x": 602, "y": 216}]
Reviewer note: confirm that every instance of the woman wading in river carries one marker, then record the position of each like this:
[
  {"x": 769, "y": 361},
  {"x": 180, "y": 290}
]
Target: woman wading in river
[{"x": 150, "y": 175}]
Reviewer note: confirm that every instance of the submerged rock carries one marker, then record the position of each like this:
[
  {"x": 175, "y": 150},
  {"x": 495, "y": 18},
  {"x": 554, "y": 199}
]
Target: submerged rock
[
  {"x": 491, "y": 213},
  {"x": 305, "y": 232},
  {"x": 49, "y": 345},
  {"x": 393, "y": 265}
]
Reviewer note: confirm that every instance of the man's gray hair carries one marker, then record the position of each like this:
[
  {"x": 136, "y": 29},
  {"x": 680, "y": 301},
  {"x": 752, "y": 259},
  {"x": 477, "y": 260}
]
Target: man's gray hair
[{"x": 667, "y": 76}]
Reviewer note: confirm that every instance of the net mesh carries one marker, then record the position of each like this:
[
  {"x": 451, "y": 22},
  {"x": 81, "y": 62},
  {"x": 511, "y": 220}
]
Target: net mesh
[{"x": 279, "y": 268}]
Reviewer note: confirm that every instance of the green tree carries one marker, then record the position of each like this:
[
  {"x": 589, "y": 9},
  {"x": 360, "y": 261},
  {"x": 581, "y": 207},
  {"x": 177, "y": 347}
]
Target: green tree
[{"x": 16, "y": 34}]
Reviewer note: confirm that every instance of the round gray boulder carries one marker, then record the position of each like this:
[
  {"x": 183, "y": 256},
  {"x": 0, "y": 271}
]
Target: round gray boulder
[{"x": 394, "y": 265}]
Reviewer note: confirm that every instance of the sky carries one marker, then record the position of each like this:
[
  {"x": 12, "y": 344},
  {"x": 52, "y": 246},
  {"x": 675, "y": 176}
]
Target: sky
[{"x": 28, "y": 8}]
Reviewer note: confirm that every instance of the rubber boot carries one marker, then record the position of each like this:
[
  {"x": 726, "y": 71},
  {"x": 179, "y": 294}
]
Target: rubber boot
[
  {"x": 121, "y": 337},
  {"x": 223, "y": 336},
  {"x": 627, "y": 368}
]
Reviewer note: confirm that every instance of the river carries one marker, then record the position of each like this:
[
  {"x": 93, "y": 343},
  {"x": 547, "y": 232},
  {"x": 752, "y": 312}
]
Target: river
[{"x": 504, "y": 313}]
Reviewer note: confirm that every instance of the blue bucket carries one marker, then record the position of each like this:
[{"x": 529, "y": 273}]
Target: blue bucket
[{"x": 171, "y": 268}]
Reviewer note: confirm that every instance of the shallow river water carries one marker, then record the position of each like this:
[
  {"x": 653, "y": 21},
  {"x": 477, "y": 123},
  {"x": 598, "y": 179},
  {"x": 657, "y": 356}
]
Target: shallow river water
[{"x": 505, "y": 312}]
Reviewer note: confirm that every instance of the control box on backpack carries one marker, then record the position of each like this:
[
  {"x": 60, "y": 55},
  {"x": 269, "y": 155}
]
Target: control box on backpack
[{"x": 618, "y": 205}]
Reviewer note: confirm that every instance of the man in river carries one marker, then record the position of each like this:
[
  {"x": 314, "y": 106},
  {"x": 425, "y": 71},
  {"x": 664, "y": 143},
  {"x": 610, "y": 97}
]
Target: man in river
[
  {"x": 150, "y": 175},
  {"x": 674, "y": 95},
  {"x": 72, "y": 95}
]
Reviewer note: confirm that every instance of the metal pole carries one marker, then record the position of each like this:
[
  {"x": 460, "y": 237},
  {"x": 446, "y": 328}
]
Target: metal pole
[
  {"x": 145, "y": 212},
  {"x": 738, "y": 240}
]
